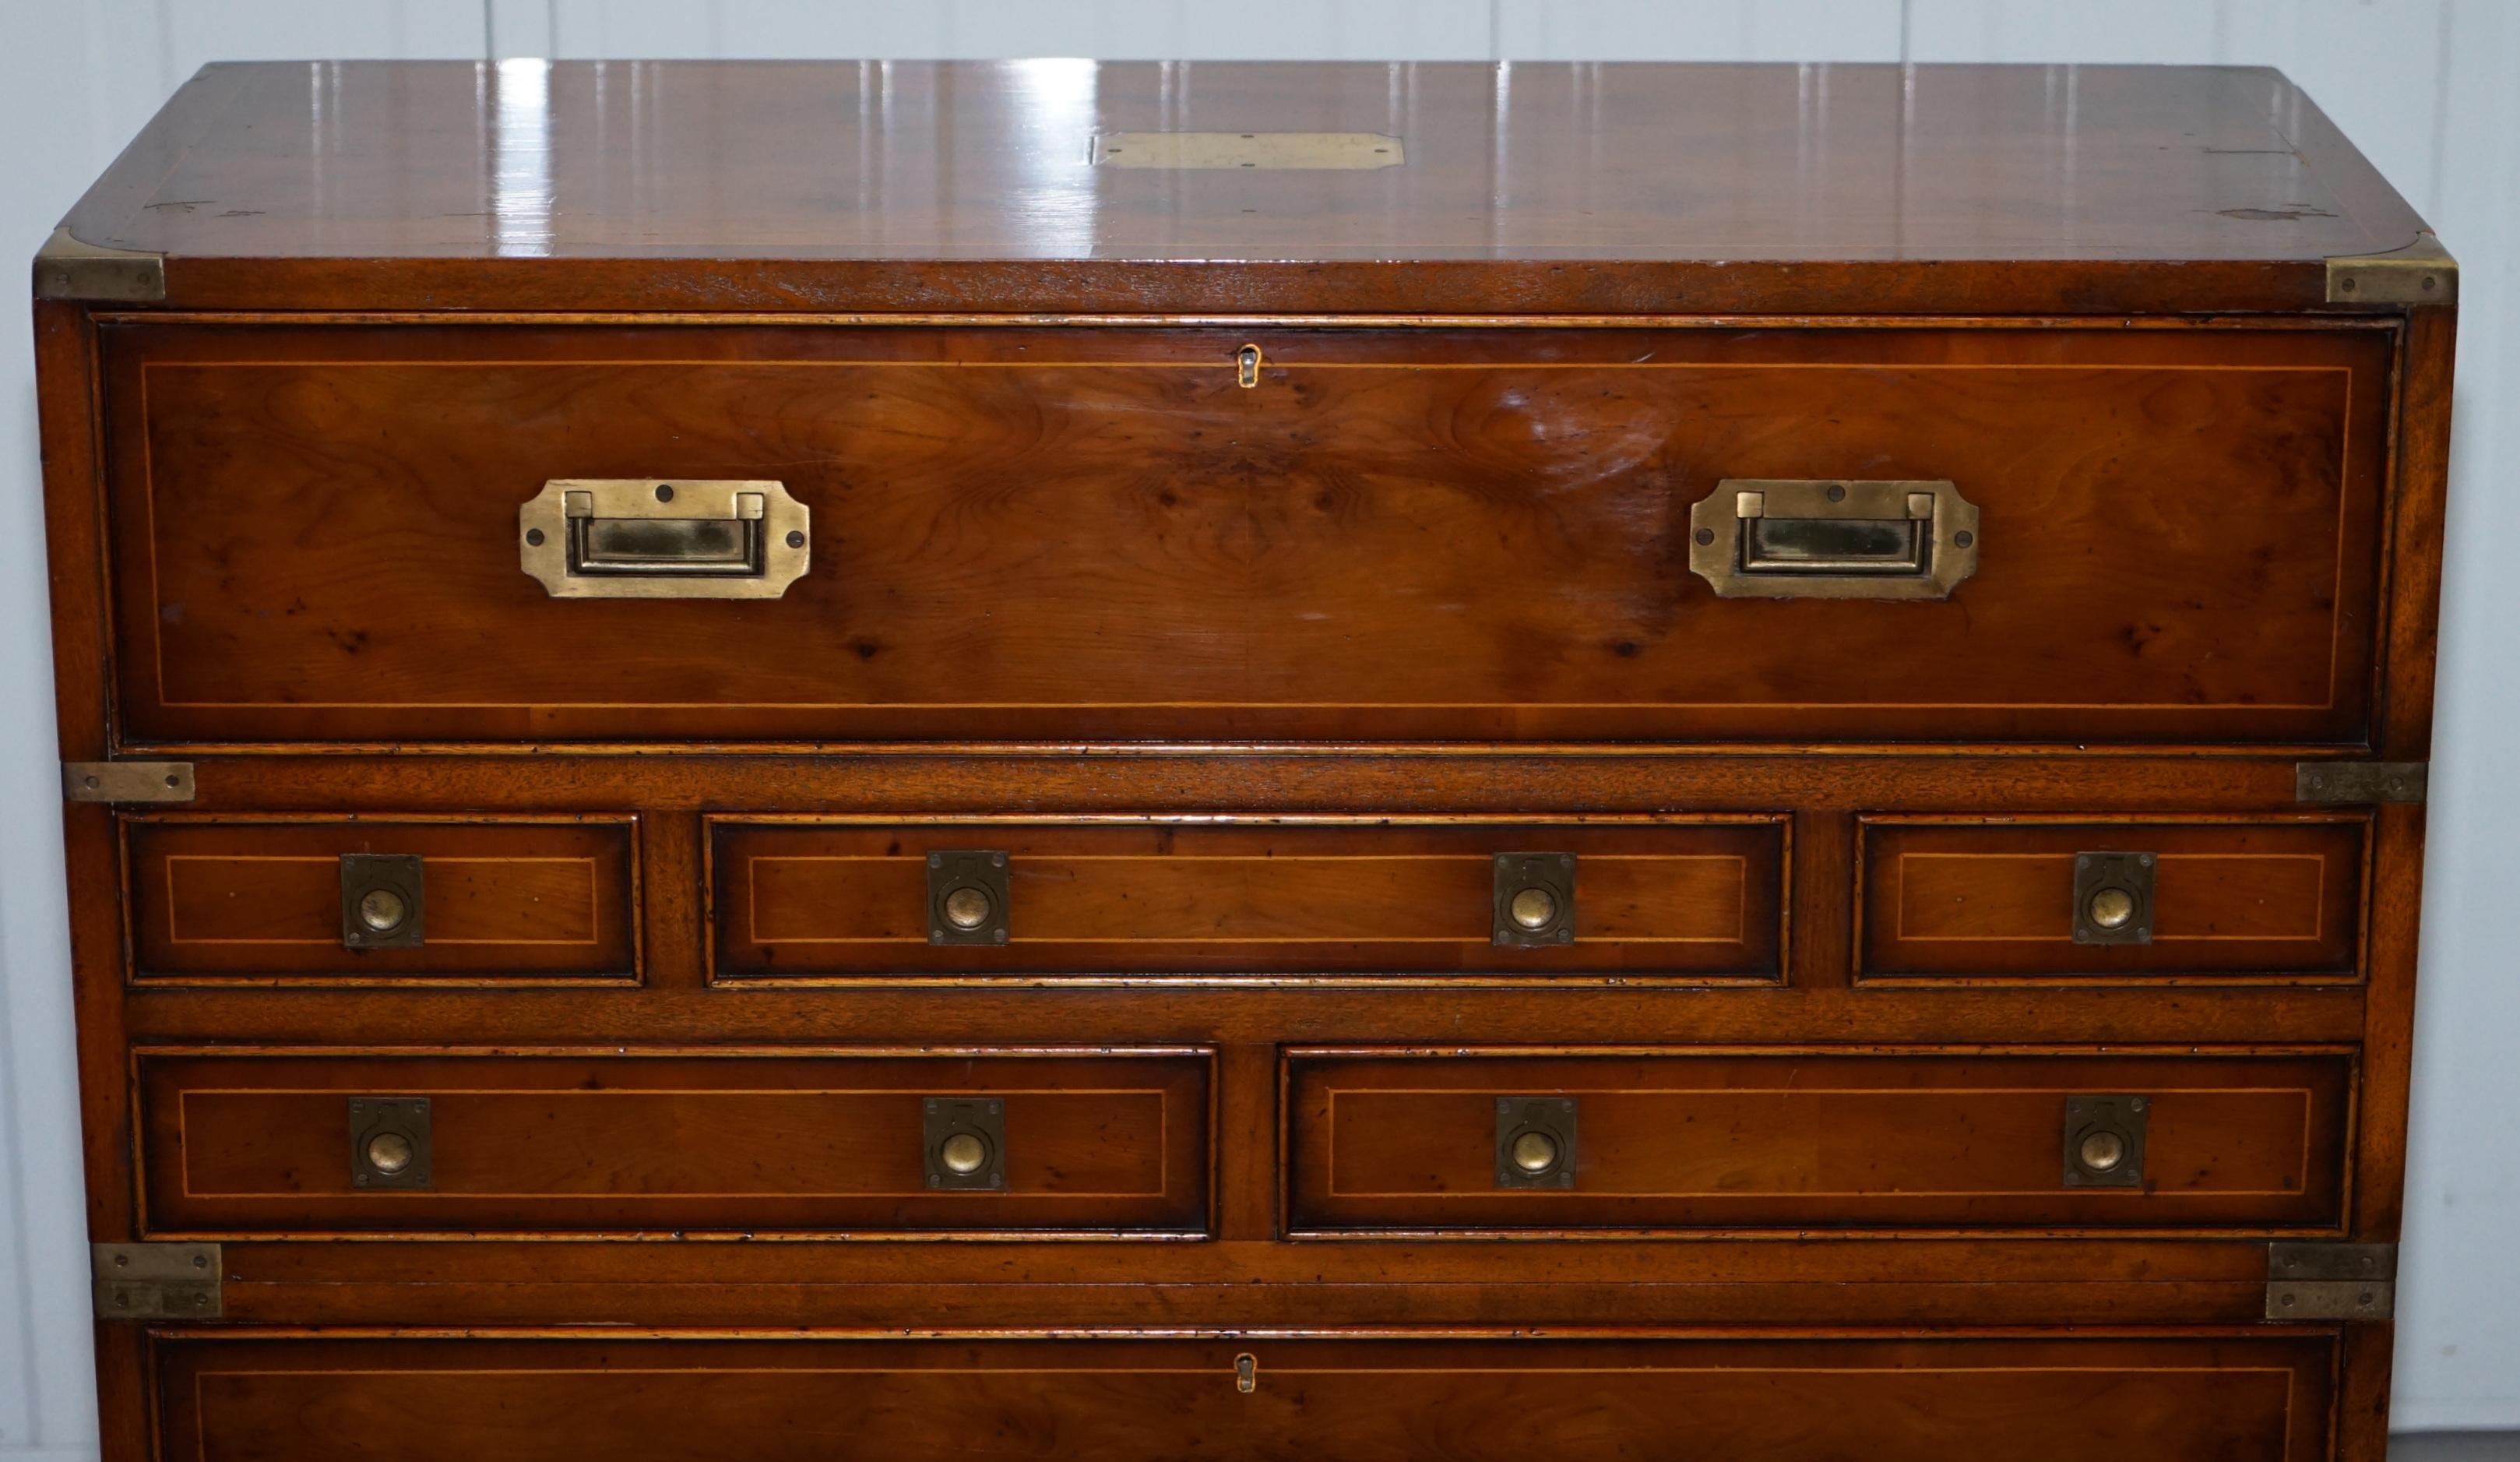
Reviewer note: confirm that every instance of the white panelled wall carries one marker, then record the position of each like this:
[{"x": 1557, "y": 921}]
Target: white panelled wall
[{"x": 2429, "y": 88}]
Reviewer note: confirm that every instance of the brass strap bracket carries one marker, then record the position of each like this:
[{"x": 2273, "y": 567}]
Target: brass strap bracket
[
  {"x": 2421, "y": 273},
  {"x": 155, "y": 1281},
  {"x": 71, "y": 268},
  {"x": 2356, "y": 781},
  {"x": 128, "y": 781},
  {"x": 2331, "y": 1281}
]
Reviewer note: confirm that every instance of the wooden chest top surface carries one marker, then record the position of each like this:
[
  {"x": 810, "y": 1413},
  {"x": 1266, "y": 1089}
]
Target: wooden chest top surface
[{"x": 1546, "y": 186}]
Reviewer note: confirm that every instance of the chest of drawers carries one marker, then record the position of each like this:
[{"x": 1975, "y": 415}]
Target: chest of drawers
[{"x": 1039, "y": 759}]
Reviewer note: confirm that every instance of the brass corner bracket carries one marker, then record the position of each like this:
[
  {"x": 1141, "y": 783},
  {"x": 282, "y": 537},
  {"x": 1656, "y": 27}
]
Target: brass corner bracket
[
  {"x": 2421, "y": 273},
  {"x": 70, "y": 268}
]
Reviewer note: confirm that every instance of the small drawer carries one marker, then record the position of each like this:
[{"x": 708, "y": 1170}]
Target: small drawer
[
  {"x": 2179, "y": 1397},
  {"x": 1420, "y": 1141},
  {"x": 2103, "y": 900},
  {"x": 866, "y": 1143},
  {"x": 305, "y": 900},
  {"x": 1691, "y": 899}
]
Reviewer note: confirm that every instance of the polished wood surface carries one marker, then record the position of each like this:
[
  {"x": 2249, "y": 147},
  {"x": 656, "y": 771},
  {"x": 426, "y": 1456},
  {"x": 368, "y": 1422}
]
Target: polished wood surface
[
  {"x": 259, "y": 898},
  {"x": 2225, "y": 1398},
  {"x": 1806, "y": 1140},
  {"x": 1527, "y": 186},
  {"x": 1250, "y": 682},
  {"x": 1993, "y": 898},
  {"x": 709, "y": 1141},
  {"x": 1098, "y": 535},
  {"x": 1380, "y": 898}
]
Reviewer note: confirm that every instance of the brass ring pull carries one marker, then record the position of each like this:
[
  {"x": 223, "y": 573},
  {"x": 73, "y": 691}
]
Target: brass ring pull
[{"x": 1789, "y": 538}]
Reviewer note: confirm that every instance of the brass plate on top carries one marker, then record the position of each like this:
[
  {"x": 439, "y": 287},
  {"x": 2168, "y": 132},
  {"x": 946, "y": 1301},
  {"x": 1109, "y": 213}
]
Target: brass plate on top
[
  {"x": 71, "y": 268},
  {"x": 1259, "y": 150}
]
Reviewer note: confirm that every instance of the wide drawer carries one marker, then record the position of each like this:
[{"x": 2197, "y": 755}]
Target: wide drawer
[
  {"x": 1992, "y": 899},
  {"x": 2206, "y": 1398},
  {"x": 1350, "y": 535},
  {"x": 341, "y": 900},
  {"x": 739, "y": 1142},
  {"x": 1631, "y": 898},
  {"x": 1434, "y": 1141}
]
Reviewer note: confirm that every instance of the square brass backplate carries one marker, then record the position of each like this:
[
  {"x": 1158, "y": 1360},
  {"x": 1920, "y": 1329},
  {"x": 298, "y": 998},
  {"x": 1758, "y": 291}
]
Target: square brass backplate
[
  {"x": 1535, "y": 1142},
  {"x": 2104, "y": 1141},
  {"x": 1535, "y": 900},
  {"x": 381, "y": 901},
  {"x": 390, "y": 1146},
  {"x": 966, "y": 1142},
  {"x": 967, "y": 897},
  {"x": 2113, "y": 898}
]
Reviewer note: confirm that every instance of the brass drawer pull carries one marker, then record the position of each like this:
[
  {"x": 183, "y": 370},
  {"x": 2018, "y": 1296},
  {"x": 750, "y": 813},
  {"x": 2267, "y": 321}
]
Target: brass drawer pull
[
  {"x": 1789, "y": 538},
  {"x": 381, "y": 904},
  {"x": 1535, "y": 1142},
  {"x": 2104, "y": 1141},
  {"x": 2113, "y": 898},
  {"x": 642, "y": 538},
  {"x": 389, "y": 1142},
  {"x": 964, "y": 1139},
  {"x": 967, "y": 896},
  {"x": 1535, "y": 900}
]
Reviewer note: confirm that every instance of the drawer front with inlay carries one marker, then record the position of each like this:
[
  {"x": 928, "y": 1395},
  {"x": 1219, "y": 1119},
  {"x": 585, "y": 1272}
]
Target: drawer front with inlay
[
  {"x": 2178, "y": 1397},
  {"x": 762, "y": 533},
  {"x": 748, "y": 1142},
  {"x": 2091, "y": 901},
  {"x": 1435, "y": 1141},
  {"x": 1632, "y": 898},
  {"x": 382, "y": 899}
]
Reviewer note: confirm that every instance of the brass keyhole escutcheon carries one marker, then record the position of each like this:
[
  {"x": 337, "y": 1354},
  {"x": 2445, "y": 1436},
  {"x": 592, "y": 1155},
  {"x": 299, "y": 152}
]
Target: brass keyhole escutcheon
[
  {"x": 1534, "y": 908},
  {"x": 967, "y": 909},
  {"x": 2102, "y": 1151},
  {"x": 2110, "y": 908},
  {"x": 1535, "y": 1152},
  {"x": 382, "y": 909},
  {"x": 390, "y": 1152},
  {"x": 964, "y": 1152}
]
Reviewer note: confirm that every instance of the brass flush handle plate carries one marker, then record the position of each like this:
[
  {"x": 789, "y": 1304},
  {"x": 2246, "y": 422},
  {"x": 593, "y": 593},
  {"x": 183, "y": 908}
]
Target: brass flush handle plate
[
  {"x": 1535, "y": 900},
  {"x": 663, "y": 538},
  {"x": 389, "y": 1143},
  {"x": 2104, "y": 1141},
  {"x": 965, "y": 1140},
  {"x": 2113, "y": 898},
  {"x": 381, "y": 904},
  {"x": 1795, "y": 538},
  {"x": 1248, "y": 151},
  {"x": 967, "y": 897},
  {"x": 1535, "y": 1142}
]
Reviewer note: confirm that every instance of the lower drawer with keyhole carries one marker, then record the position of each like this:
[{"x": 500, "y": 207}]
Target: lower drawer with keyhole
[
  {"x": 1502, "y": 1139},
  {"x": 308, "y": 900},
  {"x": 743, "y": 1141},
  {"x": 803, "y": 1396}
]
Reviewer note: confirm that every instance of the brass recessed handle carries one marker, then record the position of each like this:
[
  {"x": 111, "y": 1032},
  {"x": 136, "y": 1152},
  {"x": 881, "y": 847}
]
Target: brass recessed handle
[
  {"x": 663, "y": 538},
  {"x": 1796, "y": 538},
  {"x": 383, "y": 902}
]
